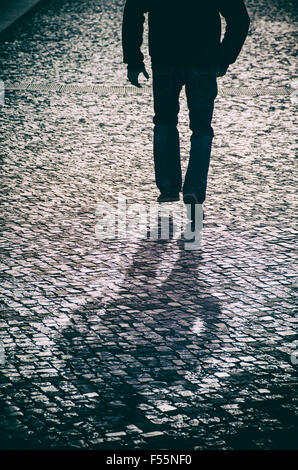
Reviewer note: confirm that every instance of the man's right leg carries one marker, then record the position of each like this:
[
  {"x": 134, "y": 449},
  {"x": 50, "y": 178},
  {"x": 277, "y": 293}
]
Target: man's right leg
[{"x": 167, "y": 84}]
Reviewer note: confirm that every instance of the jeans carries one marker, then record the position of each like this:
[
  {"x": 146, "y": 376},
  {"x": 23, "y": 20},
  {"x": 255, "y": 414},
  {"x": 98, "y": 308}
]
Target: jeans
[{"x": 201, "y": 91}]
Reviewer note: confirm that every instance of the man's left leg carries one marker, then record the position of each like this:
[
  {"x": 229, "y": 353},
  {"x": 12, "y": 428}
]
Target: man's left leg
[{"x": 201, "y": 91}]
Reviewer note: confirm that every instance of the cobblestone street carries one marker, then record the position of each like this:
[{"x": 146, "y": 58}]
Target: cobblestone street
[{"x": 134, "y": 343}]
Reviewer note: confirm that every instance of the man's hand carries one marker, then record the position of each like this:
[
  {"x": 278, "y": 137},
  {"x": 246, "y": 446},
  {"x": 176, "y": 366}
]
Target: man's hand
[
  {"x": 133, "y": 75},
  {"x": 222, "y": 70}
]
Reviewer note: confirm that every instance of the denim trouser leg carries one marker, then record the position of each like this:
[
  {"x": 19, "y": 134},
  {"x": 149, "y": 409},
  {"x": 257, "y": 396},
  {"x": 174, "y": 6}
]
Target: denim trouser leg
[
  {"x": 166, "y": 89},
  {"x": 201, "y": 91},
  {"x": 197, "y": 171}
]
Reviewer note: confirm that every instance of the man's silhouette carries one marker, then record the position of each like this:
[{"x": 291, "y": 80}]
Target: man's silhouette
[{"x": 186, "y": 49}]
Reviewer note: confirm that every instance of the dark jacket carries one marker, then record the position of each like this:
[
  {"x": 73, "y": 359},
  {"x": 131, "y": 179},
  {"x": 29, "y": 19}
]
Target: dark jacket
[{"x": 184, "y": 31}]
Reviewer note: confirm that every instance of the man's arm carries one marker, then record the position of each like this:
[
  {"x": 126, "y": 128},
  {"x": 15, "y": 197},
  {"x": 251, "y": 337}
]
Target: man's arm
[
  {"x": 237, "y": 25},
  {"x": 132, "y": 34}
]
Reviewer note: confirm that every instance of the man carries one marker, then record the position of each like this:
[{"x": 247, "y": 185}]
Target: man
[{"x": 186, "y": 49}]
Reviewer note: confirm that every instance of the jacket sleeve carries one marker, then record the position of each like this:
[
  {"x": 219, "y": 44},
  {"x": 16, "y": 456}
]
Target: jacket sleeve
[
  {"x": 132, "y": 33},
  {"x": 237, "y": 25}
]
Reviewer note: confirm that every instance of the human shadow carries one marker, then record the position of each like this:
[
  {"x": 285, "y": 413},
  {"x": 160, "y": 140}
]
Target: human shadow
[
  {"x": 125, "y": 351},
  {"x": 123, "y": 348}
]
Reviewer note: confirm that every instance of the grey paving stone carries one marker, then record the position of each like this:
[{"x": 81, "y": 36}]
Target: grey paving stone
[{"x": 124, "y": 343}]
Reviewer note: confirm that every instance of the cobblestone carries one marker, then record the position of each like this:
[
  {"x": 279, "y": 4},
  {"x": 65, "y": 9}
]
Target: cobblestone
[{"x": 136, "y": 343}]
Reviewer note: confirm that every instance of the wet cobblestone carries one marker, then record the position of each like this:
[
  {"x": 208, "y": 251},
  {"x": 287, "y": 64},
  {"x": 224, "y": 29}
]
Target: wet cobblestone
[{"x": 137, "y": 343}]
